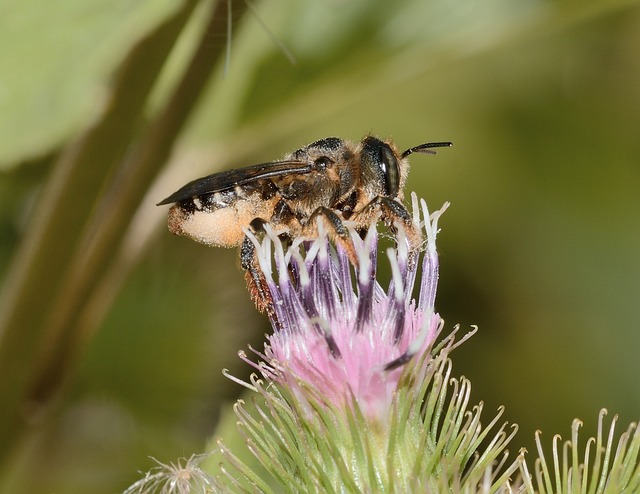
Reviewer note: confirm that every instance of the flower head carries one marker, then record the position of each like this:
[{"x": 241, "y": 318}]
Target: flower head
[
  {"x": 353, "y": 395},
  {"x": 336, "y": 329},
  {"x": 363, "y": 401}
]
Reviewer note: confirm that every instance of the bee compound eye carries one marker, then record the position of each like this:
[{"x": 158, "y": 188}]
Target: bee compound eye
[
  {"x": 380, "y": 162},
  {"x": 391, "y": 171}
]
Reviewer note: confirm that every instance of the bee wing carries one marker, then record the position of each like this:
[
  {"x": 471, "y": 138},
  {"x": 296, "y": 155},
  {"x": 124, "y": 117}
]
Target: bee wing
[{"x": 231, "y": 178}]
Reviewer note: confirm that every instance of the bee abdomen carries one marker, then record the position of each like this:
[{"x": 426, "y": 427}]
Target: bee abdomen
[{"x": 219, "y": 219}]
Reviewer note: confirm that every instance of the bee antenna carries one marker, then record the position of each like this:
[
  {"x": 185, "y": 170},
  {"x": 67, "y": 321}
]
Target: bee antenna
[{"x": 426, "y": 148}]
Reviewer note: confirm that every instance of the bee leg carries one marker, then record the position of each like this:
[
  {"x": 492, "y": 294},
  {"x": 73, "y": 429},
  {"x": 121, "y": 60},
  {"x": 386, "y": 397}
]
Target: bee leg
[
  {"x": 256, "y": 282},
  {"x": 392, "y": 212},
  {"x": 339, "y": 233}
]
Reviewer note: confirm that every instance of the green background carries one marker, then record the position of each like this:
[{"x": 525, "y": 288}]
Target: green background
[{"x": 540, "y": 247}]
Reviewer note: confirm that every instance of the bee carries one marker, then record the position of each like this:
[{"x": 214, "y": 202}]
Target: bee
[{"x": 331, "y": 179}]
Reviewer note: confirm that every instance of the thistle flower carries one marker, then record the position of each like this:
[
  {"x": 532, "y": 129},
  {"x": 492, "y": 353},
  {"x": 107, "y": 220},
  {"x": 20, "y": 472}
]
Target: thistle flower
[
  {"x": 349, "y": 345},
  {"x": 353, "y": 395}
]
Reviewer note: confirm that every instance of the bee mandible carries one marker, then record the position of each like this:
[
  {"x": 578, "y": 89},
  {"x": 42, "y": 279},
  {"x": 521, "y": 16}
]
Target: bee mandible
[{"x": 331, "y": 179}]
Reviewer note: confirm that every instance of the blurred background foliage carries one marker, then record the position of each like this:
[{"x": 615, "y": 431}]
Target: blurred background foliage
[{"x": 113, "y": 333}]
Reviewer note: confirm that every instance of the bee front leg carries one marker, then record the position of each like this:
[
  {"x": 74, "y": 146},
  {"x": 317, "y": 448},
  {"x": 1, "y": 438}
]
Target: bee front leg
[{"x": 392, "y": 212}]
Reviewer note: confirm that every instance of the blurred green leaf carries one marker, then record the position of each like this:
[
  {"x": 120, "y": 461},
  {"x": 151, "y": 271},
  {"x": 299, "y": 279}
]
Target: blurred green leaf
[{"x": 55, "y": 59}]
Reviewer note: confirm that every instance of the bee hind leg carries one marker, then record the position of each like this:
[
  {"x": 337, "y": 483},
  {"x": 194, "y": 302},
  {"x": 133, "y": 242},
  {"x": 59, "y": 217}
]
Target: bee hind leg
[{"x": 255, "y": 279}]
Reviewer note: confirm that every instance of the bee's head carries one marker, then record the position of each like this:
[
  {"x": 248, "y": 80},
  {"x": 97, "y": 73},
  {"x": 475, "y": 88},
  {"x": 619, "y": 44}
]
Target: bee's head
[{"x": 384, "y": 170}]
